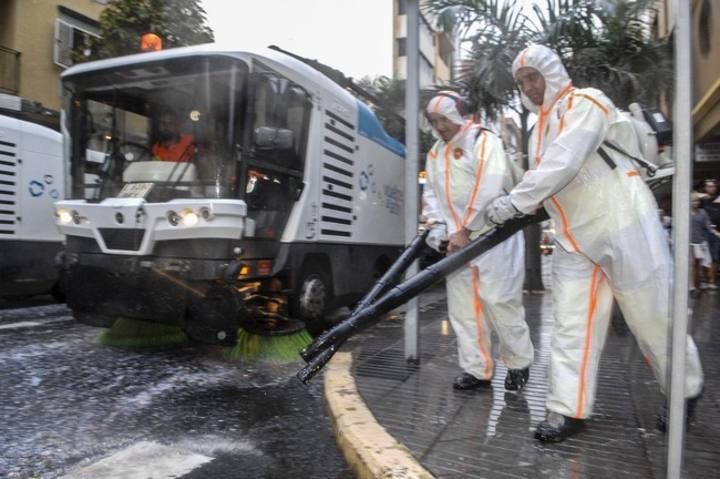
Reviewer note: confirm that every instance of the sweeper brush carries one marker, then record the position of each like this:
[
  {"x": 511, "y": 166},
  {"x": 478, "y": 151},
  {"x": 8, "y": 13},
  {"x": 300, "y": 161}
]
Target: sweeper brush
[
  {"x": 129, "y": 332},
  {"x": 276, "y": 348},
  {"x": 324, "y": 347},
  {"x": 278, "y": 342},
  {"x": 284, "y": 340}
]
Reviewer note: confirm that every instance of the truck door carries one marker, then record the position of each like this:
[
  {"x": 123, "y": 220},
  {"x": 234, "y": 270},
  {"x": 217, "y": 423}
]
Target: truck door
[{"x": 279, "y": 120}]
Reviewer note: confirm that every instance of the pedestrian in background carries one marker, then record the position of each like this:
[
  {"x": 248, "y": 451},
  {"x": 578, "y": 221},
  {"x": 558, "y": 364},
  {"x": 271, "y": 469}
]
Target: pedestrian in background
[
  {"x": 700, "y": 230},
  {"x": 610, "y": 241},
  {"x": 711, "y": 204},
  {"x": 466, "y": 169}
]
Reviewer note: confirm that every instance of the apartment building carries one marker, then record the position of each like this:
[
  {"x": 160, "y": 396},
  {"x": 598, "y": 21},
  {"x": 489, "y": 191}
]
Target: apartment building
[
  {"x": 436, "y": 48},
  {"x": 37, "y": 38}
]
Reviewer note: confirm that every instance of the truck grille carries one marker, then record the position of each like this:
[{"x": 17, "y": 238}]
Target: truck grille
[
  {"x": 338, "y": 175},
  {"x": 122, "y": 238},
  {"x": 8, "y": 187}
]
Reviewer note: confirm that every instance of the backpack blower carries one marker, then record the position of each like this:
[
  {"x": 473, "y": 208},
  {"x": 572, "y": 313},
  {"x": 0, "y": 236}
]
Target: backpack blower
[{"x": 370, "y": 309}]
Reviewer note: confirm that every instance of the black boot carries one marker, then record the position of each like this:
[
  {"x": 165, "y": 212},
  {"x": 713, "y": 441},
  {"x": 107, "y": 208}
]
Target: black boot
[
  {"x": 516, "y": 378},
  {"x": 690, "y": 406},
  {"x": 556, "y": 427},
  {"x": 468, "y": 381}
]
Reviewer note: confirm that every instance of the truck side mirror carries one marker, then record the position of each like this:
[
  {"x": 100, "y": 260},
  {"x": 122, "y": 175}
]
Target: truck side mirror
[{"x": 270, "y": 138}]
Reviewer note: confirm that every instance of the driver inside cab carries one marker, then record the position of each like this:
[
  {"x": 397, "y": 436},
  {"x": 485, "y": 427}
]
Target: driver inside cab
[{"x": 171, "y": 145}]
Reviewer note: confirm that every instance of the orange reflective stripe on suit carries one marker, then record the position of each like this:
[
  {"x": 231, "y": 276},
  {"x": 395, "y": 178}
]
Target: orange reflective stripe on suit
[
  {"x": 597, "y": 278},
  {"x": 476, "y": 186},
  {"x": 478, "y": 308}
]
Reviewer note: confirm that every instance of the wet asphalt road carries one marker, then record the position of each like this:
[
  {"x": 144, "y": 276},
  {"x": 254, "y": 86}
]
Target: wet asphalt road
[{"x": 66, "y": 402}]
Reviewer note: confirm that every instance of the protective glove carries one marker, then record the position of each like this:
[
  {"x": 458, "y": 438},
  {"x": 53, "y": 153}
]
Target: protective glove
[
  {"x": 458, "y": 240},
  {"x": 501, "y": 210},
  {"x": 437, "y": 239}
]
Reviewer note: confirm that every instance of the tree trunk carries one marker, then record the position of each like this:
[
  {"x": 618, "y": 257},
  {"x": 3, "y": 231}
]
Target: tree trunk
[{"x": 533, "y": 268}]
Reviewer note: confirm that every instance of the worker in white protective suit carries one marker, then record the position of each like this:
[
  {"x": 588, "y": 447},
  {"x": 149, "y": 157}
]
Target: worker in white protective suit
[
  {"x": 611, "y": 242},
  {"x": 466, "y": 169}
]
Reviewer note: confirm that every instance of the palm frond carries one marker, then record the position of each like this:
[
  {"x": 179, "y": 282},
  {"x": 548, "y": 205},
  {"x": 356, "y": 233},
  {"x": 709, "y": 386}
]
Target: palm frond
[{"x": 603, "y": 43}]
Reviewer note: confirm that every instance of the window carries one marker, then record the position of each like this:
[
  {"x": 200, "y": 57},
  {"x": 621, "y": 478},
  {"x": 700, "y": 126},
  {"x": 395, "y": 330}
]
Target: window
[
  {"x": 71, "y": 35},
  {"x": 9, "y": 71},
  {"x": 401, "y": 46},
  {"x": 282, "y": 108},
  {"x": 402, "y": 7}
]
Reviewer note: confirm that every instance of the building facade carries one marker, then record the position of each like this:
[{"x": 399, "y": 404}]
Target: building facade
[
  {"x": 706, "y": 72},
  {"x": 37, "y": 41},
  {"x": 436, "y": 48}
]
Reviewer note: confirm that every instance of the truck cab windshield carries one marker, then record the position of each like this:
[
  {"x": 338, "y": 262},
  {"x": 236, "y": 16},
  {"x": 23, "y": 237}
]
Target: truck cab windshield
[{"x": 160, "y": 131}]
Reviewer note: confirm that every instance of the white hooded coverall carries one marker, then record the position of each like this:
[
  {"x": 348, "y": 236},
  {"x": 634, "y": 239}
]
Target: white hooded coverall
[
  {"x": 463, "y": 176},
  {"x": 610, "y": 236}
]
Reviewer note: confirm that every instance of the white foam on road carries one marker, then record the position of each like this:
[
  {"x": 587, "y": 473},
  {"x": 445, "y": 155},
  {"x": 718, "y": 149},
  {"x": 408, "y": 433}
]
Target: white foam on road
[
  {"x": 181, "y": 379},
  {"x": 30, "y": 351},
  {"x": 33, "y": 324},
  {"x": 214, "y": 445},
  {"x": 143, "y": 460},
  {"x": 32, "y": 312}
]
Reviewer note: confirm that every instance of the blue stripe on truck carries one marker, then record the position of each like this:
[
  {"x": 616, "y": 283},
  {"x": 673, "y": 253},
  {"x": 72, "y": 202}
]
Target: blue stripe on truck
[{"x": 371, "y": 128}]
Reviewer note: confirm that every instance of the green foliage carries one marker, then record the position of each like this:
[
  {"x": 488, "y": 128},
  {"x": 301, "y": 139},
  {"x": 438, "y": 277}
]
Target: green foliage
[
  {"x": 603, "y": 43},
  {"x": 607, "y": 45},
  {"x": 178, "y": 22}
]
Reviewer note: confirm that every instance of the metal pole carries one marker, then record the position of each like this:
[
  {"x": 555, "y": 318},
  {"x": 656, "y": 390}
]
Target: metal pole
[
  {"x": 682, "y": 149},
  {"x": 412, "y": 101}
]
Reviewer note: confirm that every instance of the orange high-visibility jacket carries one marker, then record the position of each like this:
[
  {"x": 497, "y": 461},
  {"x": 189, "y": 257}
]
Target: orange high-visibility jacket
[{"x": 182, "y": 151}]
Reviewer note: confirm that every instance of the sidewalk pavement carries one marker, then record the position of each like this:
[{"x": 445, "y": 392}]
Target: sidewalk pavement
[{"x": 398, "y": 420}]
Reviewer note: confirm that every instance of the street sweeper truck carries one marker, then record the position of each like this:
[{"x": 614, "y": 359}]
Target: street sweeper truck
[
  {"x": 217, "y": 190},
  {"x": 31, "y": 180}
]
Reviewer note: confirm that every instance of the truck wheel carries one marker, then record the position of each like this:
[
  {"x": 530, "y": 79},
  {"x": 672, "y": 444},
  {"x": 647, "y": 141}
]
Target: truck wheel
[{"x": 312, "y": 297}]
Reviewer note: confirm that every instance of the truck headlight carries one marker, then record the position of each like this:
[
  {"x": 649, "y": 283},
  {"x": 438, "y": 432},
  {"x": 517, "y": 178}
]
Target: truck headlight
[
  {"x": 189, "y": 217},
  {"x": 64, "y": 216}
]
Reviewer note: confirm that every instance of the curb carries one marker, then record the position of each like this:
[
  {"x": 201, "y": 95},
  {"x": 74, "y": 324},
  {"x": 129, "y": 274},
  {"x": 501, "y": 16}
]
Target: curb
[{"x": 370, "y": 451}]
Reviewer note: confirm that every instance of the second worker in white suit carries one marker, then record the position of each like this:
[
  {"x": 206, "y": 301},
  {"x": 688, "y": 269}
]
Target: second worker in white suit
[
  {"x": 610, "y": 239},
  {"x": 466, "y": 169}
]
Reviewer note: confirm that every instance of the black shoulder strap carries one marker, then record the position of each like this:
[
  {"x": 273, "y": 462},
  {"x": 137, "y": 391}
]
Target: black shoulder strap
[
  {"x": 651, "y": 169},
  {"x": 480, "y": 130},
  {"x": 604, "y": 155}
]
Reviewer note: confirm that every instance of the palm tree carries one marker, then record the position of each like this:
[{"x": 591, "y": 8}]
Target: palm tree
[
  {"x": 495, "y": 31},
  {"x": 603, "y": 43},
  {"x": 607, "y": 45}
]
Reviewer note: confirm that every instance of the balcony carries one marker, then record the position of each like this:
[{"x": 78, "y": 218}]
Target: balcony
[{"x": 9, "y": 71}]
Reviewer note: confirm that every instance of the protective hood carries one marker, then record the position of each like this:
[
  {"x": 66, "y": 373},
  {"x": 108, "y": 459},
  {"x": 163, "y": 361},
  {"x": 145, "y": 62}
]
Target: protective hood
[
  {"x": 446, "y": 104},
  {"x": 547, "y": 62}
]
